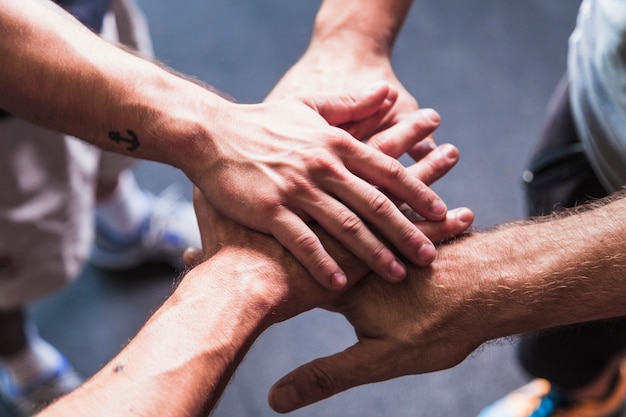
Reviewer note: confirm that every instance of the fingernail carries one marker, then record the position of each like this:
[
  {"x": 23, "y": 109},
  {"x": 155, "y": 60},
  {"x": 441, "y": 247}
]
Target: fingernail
[
  {"x": 451, "y": 152},
  {"x": 426, "y": 253},
  {"x": 466, "y": 215},
  {"x": 397, "y": 270},
  {"x": 432, "y": 115},
  {"x": 338, "y": 280},
  {"x": 286, "y": 398},
  {"x": 438, "y": 207}
]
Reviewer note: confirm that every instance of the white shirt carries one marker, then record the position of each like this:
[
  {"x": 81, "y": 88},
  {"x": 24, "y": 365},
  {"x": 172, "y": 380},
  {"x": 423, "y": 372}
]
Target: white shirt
[{"x": 597, "y": 75}]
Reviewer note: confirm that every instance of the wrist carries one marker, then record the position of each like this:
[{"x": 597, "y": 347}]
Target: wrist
[
  {"x": 232, "y": 283},
  {"x": 170, "y": 116},
  {"x": 344, "y": 39},
  {"x": 533, "y": 275},
  {"x": 370, "y": 27},
  {"x": 260, "y": 285}
]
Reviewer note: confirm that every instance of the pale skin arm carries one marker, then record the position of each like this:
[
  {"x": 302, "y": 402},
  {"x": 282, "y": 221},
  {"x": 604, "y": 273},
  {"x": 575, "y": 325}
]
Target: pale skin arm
[
  {"x": 270, "y": 166},
  {"x": 519, "y": 277}
]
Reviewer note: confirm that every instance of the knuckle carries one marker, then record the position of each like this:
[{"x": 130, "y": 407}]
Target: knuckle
[
  {"x": 306, "y": 242},
  {"x": 409, "y": 237},
  {"x": 380, "y": 253},
  {"x": 297, "y": 187},
  {"x": 395, "y": 170},
  {"x": 342, "y": 142},
  {"x": 320, "y": 380},
  {"x": 350, "y": 225},
  {"x": 325, "y": 163},
  {"x": 380, "y": 204}
]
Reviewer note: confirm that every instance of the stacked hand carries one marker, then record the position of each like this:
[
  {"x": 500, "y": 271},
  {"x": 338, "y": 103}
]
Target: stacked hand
[
  {"x": 384, "y": 314},
  {"x": 290, "y": 170}
]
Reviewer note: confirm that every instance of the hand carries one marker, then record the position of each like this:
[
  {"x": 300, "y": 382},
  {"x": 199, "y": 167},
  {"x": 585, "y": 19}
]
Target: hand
[
  {"x": 282, "y": 164},
  {"x": 426, "y": 323},
  {"x": 218, "y": 233},
  {"x": 329, "y": 67}
]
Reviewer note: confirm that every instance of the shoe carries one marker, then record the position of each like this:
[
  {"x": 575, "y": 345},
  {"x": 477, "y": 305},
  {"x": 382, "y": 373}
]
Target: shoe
[
  {"x": 26, "y": 401},
  {"x": 166, "y": 233},
  {"x": 538, "y": 399}
]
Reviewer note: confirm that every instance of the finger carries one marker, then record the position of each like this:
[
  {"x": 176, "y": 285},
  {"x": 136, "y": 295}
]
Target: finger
[
  {"x": 456, "y": 222},
  {"x": 389, "y": 174},
  {"x": 192, "y": 256},
  {"x": 305, "y": 246},
  {"x": 405, "y": 134},
  {"x": 354, "y": 234},
  {"x": 422, "y": 148},
  {"x": 364, "y": 129},
  {"x": 340, "y": 109},
  {"x": 322, "y": 378},
  {"x": 435, "y": 164},
  {"x": 383, "y": 216}
]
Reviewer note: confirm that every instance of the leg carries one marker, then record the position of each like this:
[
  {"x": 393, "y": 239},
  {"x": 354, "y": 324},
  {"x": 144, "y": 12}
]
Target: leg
[{"x": 46, "y": 216}]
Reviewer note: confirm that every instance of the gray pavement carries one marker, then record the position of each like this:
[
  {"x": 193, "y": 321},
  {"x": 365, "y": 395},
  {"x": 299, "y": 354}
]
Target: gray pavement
[{"x": 487, "y": 66}]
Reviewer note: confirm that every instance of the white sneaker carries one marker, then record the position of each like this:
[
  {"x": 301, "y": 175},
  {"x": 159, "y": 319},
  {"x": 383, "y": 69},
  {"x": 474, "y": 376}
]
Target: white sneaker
[
  {"x": 169, "y": 230},
  {"x": 26, "y": 401}
]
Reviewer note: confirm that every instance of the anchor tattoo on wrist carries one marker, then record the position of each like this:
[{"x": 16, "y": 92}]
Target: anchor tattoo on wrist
[{"x": 133, "y": 141}]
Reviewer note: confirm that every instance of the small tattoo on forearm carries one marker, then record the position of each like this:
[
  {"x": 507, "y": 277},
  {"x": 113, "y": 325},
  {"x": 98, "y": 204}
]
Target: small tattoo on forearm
[
  {"x": 133, "y": 141},
  {"x": 118, "y": 368}
]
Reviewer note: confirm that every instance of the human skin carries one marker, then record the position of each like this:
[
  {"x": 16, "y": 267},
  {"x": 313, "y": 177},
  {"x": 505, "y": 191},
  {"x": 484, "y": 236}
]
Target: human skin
[
  {"x": 351, "y": 45},
  {"x": 271, "y": 166},
  {"x": 190, "y": 347},
  {"x": 519, "y": 277}
]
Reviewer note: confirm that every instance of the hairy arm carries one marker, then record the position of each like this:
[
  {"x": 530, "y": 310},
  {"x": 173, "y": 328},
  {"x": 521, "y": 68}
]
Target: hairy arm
[
  {"x": 519, "y": 277},
  {"x": 193, "y": 343}
]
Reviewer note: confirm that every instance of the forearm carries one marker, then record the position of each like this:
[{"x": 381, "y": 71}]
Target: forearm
[
  {"x": 191, "y": 346},
  {"x": 520, "y": 277},
  {"x": 544, "y": 274},
  {"x": 180, "y": 362},
  {"x": 370, "y": 26},
  {"x": 57, "y": 73}
]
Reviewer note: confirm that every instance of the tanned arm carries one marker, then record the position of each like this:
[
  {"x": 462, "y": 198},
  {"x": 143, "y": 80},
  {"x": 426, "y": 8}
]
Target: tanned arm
[
  {"x": 192, "y": 345},
  {"x": 519, "y": 277}
]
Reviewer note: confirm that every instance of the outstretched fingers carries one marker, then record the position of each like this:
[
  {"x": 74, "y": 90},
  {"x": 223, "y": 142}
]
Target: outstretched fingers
[
  {"x": 388, "y": 174},
  {"x": 350, "y": 229},
  {"x": 379, "y": 214}
]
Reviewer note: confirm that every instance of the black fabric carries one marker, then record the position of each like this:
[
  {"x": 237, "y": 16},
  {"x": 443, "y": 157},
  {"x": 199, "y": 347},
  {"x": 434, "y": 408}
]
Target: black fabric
[
  {"x": 560, "y": 175},
  {"x": 89, "y": 12}
]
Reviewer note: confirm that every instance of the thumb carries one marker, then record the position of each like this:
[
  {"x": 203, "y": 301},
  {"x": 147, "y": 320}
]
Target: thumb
[
  {"x": 325, "y": 377},
  {"x": 346, "y": 108}
]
